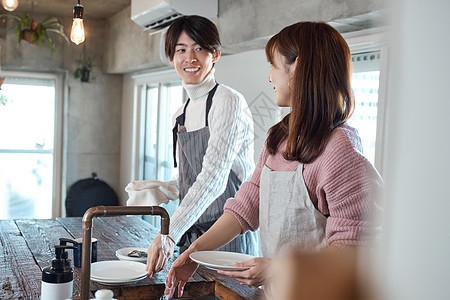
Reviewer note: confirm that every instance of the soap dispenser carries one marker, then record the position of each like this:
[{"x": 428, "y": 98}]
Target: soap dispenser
[
  {"x": 57, "y": 279},
  {"x": 65, "y": 255}
]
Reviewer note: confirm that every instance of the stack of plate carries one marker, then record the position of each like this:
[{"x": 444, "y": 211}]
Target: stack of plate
[
  {"x": 122, "y": 254},
  {"x": 116, "y": 272}
]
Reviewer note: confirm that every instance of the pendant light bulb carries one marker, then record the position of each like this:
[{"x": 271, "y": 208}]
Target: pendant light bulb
[
  {"x": 10, "y": 5},
  {"x": 77, "y": 34}
]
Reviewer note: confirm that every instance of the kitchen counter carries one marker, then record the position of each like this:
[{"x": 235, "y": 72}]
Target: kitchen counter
[{"x": 27, "y": 247}]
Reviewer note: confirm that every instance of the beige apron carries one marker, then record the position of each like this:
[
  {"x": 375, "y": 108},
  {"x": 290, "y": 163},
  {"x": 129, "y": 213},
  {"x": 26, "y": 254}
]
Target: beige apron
[{"x": 287, "y": 217}]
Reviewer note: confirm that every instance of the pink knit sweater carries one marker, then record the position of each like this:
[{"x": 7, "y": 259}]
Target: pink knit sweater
[{"x": 342, "y": 184}]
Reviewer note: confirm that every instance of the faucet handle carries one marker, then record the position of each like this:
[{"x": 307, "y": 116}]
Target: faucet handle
[{"x": 64, "y": 241}]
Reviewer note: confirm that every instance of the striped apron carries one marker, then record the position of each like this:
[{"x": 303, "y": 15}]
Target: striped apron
[{"x": 192, "y": 148}]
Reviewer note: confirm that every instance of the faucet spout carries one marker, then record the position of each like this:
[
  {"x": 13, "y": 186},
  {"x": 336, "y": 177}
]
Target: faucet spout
[
  {"x": 110, "y": 211},
  {"x": 165, "y": 220}
]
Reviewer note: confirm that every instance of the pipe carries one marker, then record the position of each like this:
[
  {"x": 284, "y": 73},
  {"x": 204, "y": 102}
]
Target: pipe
[{"x": 110, "y": 211}]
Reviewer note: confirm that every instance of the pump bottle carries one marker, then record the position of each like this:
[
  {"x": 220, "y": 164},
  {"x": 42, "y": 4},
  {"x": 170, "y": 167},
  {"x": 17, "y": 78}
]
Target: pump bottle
[{"x": 57, "y": 279}]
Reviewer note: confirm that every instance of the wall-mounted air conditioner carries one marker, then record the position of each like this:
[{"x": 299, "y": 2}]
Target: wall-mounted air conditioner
[{"x": 157, "y": 14}]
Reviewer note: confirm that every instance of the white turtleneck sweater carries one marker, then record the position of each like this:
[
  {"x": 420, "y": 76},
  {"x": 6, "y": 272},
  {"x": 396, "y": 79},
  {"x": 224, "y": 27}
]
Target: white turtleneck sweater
[{"x": 230, "y": 146}]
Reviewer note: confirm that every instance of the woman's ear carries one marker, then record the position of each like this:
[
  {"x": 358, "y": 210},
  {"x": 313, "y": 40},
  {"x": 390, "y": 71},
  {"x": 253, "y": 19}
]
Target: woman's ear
[
  {"x": 216, "y": 55},
  {"x": 293, "y": 66}
]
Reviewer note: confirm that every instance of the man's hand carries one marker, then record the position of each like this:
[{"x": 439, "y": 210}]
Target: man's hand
[{"x": 156, "y": 260}]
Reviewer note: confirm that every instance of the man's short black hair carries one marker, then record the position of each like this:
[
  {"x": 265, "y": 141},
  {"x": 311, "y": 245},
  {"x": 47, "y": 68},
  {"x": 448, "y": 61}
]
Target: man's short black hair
[{"x": 200, "y": 29}]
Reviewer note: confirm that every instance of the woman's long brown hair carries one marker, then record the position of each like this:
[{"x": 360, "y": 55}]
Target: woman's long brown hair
[{"x": 321, "y": 94}]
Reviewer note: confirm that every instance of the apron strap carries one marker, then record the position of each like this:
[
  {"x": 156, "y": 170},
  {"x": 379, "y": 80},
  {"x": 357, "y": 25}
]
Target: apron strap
[
  {"x": 209, "y": 102},
  {"x": 178, "y": 122},
  {"x": 182, "y": 118}
]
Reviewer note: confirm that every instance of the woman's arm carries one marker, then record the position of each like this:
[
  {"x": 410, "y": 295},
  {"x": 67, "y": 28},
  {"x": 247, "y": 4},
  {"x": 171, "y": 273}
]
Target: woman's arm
[
  {"x": 225, "y": 229},
  {"x": 345, "y": 186}
]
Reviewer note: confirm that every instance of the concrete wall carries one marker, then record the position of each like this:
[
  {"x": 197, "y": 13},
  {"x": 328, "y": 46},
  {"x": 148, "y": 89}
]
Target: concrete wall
[
  {"x": 92, "y": 118},
  {"x": 94, "y": 115},
  {"x": 128, "y": 47},
  {"x": 243, "y": 25}
]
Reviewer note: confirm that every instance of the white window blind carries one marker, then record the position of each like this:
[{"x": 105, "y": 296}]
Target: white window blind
[{"x": 365, "y": 85}]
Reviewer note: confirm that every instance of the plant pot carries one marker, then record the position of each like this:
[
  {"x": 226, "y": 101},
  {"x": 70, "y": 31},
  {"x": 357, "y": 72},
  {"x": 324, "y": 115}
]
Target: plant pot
[
  {"x": 85, "y": 76},
  {"x": 28, "y": 36}
]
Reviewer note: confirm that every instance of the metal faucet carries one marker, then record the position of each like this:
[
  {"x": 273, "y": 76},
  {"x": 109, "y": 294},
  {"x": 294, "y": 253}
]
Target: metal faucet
[{"x": 110, "y": 211}]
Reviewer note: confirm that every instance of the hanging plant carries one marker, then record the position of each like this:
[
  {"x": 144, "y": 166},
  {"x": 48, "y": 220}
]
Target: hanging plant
[
  {"x": 84, "y": 67},
  {"x": 29, "y": 30}
]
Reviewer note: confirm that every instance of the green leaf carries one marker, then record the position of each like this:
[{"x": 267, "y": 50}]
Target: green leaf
[{"x": 40, "y": 33}]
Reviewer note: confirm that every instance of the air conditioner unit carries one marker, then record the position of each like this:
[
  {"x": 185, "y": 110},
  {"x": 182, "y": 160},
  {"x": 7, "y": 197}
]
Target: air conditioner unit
[{"x": 157, "y": 14}]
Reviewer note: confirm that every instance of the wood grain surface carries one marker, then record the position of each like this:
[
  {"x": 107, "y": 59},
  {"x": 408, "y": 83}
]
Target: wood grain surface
[
  {"x": 20, "y": 276},
  {"x": 27, "y": 246}
]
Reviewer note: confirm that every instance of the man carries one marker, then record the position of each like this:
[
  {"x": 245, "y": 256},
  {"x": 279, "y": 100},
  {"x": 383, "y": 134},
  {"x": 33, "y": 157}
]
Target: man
[{"x": 213, "y": 136}]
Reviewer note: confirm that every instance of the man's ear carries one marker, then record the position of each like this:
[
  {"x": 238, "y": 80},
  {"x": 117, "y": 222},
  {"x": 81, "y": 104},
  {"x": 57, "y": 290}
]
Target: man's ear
[{"x": 216, "y": 55}]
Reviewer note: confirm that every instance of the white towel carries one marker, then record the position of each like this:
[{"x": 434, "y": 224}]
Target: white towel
[{"x": 150, "y": 193}]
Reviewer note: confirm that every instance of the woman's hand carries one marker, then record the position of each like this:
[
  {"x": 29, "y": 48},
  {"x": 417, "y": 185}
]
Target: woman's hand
[
  {"x": 180, "y": 272},
  {"x": 156, "y": 259},
  {"x": 256, "y": 275}
]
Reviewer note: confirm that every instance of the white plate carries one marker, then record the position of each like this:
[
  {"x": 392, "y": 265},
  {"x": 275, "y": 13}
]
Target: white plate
[
  {"x": 117, "y": 280},
  {"x": 117, "y": 270},
  {"x": 107, "y": 282},
  {"x": 120, "y": 282},
  {"x": 220, "y": 260},
  {"x": 122, "y": 254}
]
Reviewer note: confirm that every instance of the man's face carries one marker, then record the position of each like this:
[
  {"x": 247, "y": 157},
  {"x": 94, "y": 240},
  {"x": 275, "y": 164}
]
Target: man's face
[{"x": 191, "y": 61}]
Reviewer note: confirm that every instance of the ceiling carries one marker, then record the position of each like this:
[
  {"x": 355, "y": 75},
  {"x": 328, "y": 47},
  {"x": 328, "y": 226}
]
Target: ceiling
[{"x": 94, "y": 9}]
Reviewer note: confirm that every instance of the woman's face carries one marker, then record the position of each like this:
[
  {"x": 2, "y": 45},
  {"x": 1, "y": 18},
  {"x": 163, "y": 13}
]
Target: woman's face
[
  {"x": 191, "y": 61},
  {"x": 280, "y": 75}
]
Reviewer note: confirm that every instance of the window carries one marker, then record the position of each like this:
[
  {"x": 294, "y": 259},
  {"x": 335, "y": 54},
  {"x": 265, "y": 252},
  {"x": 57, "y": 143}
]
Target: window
[
  {"x": 365, "y": 84},
  {"x": 370, "y": 55},
  {"x": 28, "y": 115},
  {"x": 160, "y": 95},
  {"x": 160, "y": 103}
]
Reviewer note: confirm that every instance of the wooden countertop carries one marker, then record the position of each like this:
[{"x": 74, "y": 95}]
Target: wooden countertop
[{"x": 26, "y": 248}]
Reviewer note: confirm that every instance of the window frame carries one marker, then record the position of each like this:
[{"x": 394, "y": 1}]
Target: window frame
[
  {"x": 58, "y": 191},
  {"x": 141, "y": 82},
  {"x": 373, "y": 40}
]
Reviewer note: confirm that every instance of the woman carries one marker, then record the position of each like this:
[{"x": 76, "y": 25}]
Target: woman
[
  {"x": 312, "y": 187},
  {"x": 213, "y": 135}
]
